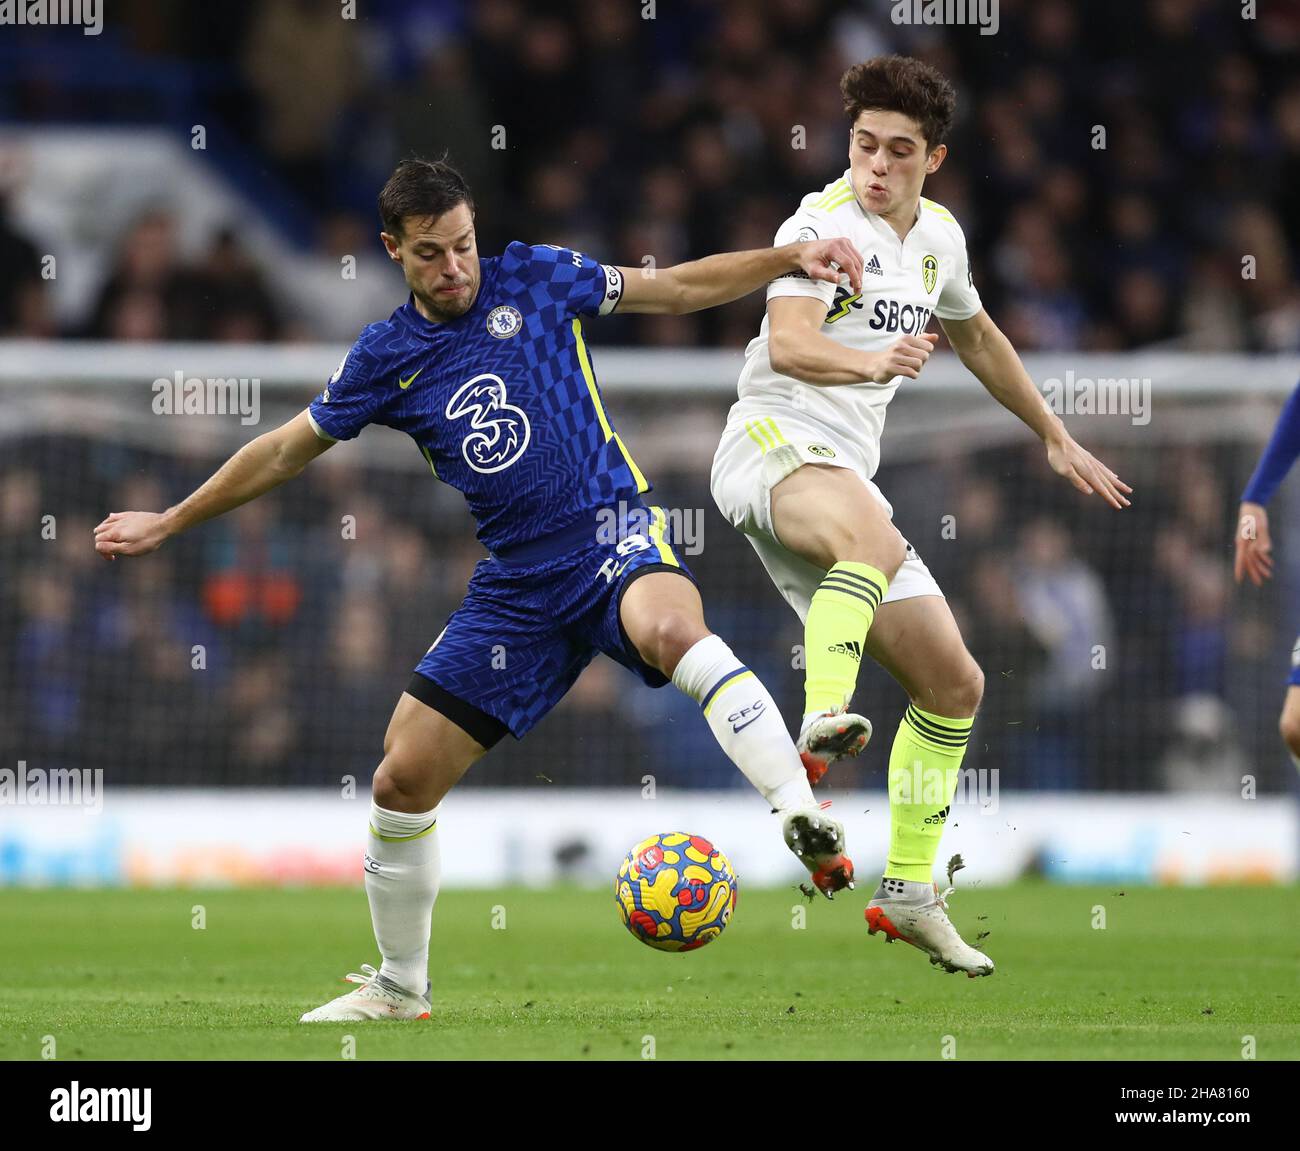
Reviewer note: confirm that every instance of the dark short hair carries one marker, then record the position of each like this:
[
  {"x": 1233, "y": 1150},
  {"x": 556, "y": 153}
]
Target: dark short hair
[
  {"x": 901, "y": 84},
  {"x": 421, "y": 188}
]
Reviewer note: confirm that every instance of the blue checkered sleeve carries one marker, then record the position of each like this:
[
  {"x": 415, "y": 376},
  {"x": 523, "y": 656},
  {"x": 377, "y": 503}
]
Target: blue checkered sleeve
[{"x": 580, "y": 285}]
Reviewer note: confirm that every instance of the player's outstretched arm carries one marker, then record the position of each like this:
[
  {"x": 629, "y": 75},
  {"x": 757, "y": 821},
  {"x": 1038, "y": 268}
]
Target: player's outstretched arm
[
  {"x": 727, "y": 276},
  {"x": 257, "y": 467},
  {"x": 1254, "y": 547},
  {"x": 798, "y": 349},
  {"x": 981, "y": 346}
]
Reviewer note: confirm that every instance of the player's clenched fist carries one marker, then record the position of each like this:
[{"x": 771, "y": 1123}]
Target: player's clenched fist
[
  {"x": 130, "y": 534},
  {"x": 831, "y": 259},
  {"x": 906, "y": 357}
]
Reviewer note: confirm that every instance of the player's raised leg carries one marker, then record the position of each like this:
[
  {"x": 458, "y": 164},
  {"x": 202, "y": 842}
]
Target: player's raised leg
[
  {"x": 917, "y": 641},
  {"x": 828, "y": 516},
  {"x": 425, "y": 754},
  {"x": 663, "y": 618}
]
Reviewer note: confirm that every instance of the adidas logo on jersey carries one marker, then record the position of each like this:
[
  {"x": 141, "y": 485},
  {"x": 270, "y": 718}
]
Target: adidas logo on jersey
[
  {"x": 850, "y": 647},
  {"x": 873, "y": 266}
]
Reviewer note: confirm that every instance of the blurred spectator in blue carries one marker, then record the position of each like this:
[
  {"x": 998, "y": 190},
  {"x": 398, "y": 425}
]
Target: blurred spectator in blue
[{"x": 1065, "y": 605}]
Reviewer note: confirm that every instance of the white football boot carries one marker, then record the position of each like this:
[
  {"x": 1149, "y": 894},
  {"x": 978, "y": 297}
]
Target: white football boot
[
  {"x": 828, "y": 737},
  {"x": 917, "y": 914},
  {"x": 377, "y": 998},
  {"x": 818, "y": 841}
]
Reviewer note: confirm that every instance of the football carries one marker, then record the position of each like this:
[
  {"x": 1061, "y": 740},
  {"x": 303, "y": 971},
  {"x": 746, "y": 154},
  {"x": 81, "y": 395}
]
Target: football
[{"x": 676, "y": 892}]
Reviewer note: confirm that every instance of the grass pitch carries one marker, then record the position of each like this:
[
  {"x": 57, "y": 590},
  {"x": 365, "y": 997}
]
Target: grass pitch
[{"x": 1174, "y": 974}]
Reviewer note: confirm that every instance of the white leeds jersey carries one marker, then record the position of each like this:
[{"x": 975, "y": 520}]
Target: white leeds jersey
[{"x": 904, "y": 283}]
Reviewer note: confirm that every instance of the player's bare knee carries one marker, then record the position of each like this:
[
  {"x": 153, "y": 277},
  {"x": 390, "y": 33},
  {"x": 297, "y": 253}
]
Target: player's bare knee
[
  {"x": 885, "y": 551},
  {"x": 674, "y": 633},
  {"x": 400, "y": 785},
  {"x": 958, "y": 695},
  {"x": 893, "y": 554},
  {"x": 969, "y": 690},
  {"x": 833, "y": 543},
  {"x": 386, "y": 789}
]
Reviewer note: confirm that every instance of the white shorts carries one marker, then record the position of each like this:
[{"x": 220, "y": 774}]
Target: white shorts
[{"x": 755, "y": 455}]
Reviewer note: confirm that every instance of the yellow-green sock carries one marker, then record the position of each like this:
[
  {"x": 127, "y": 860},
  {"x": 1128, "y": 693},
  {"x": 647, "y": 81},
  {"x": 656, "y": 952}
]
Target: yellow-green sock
[
  {"x": 835, "y": 633},
  {"x": 924, "y": 766}
]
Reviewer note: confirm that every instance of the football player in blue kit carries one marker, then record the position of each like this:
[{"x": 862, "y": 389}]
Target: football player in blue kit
[
  {"x": 486, "y": 368},
  {"x": 1254, "y": 552}
]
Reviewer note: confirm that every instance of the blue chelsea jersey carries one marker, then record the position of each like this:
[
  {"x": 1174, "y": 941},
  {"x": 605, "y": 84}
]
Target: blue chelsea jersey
[{"x": 502, "y": 401}]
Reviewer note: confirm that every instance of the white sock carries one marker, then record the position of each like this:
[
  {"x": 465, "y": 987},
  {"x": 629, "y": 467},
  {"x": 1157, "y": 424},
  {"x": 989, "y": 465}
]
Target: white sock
[
  {"x": 402, "y": 872},
  {"x": 807, "y": 719},
  {"x": 905, "y": 890},
  {"x": 745, "y": 721}
]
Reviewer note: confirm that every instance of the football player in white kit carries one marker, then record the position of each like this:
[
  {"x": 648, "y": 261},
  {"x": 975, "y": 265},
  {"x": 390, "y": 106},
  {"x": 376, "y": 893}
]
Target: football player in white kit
[{"x": 794, "y": 471}]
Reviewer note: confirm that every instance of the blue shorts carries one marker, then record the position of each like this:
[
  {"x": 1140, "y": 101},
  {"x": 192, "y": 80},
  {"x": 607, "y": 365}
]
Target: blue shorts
[
  {"x": 528, "y": 625},
  {"x": 1294, "y": 678}
]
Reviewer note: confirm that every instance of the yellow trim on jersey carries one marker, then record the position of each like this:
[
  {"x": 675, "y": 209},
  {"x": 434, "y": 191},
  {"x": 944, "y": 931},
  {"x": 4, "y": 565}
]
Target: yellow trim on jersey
[
  {"x": 584, "y": 361},
  {"x": 403, "y": 838},
  {"x": 836, "y": 189},
  {"x": 658, "y": 521},
  {"x": 642, "y": 484},
  {"x": 744, "y": 675},
  {"x": 843, "y": 309},
  {"x": 765, "y": 433},
  {"x": 428, "y": 457},
  {"x": 842, "y": 200},
  {"x": 938, "y": 209}
]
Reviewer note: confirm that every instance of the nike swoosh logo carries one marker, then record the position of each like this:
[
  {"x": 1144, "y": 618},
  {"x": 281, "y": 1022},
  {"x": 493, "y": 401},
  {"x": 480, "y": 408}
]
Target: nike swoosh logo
[
  {"x": 404, "y": 384},
  {"x": 744, "y": 725}
]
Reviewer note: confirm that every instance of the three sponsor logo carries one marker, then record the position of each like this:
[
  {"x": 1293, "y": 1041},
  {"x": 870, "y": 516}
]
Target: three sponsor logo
[{"x": 501, "y": 431}]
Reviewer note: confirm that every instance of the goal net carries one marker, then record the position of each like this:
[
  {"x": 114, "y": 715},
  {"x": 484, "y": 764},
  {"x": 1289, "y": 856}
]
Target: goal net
[{"x": 269, "y": 647}]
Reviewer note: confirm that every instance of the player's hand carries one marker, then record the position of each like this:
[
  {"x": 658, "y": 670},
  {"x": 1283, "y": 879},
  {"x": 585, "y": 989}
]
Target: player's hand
[
  {"x": 1085, "y": 472},
  {"x": 1254, "y": 547},
  {"x": 831, "y": 259},
  {"x": 906, "y": 357},
  {"x": 130, "y": 534}
]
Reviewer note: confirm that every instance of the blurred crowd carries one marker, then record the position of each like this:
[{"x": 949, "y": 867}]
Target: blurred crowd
[
  {"x": 270, "y": 646},
  {"x": 1113, "y": 164}
]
